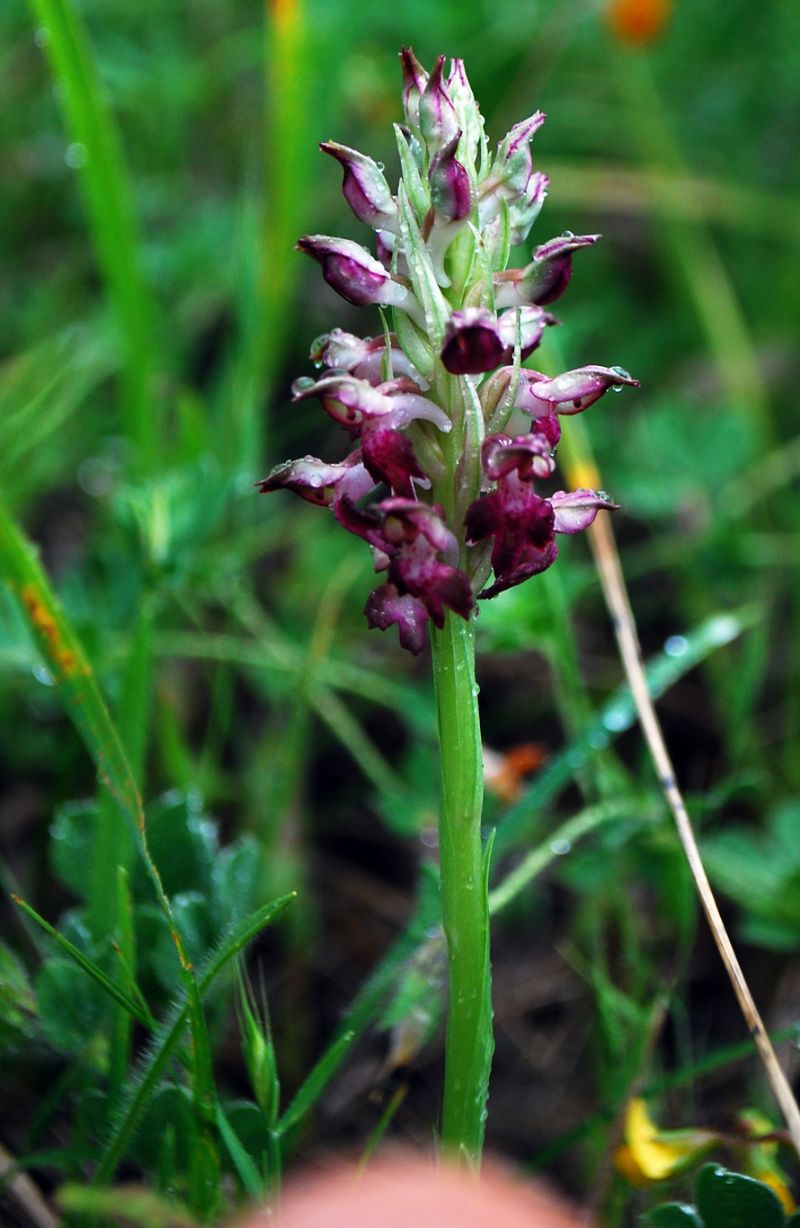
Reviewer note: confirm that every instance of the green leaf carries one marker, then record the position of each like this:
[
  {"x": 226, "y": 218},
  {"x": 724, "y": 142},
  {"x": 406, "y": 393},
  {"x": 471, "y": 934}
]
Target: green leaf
[
  {"x": 71, "y": 1007},
  {"x": 315, "y": 1083},
  {"x": 17, "y": 999},
  {"x": 730, "y": 1200},
  {"x": 242, "y": 1157},
  {"x": 71, "y": 840},
  {"x": 418, "y": 193},
  {"x": 674, "y": 1215},
  {"x": 182, "y": 842}
]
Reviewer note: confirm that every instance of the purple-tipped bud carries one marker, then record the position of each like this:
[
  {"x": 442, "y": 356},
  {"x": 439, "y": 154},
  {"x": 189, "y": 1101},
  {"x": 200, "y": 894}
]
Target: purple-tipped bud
[
  {"x": 528, "y": 455},
  {"x": 575, "y": 510},
  {"x": 451, "y": 192},
  {"x": 472, "y": 342},
  {"x": 415, "y": 79},
  {"x": 321, "y": 483},
  {"x": 524, "y": 212},
  {"x": 513, "y": 165},
  {"x": 571, "y": 392},
  {"x": 532, "y": 323},
  {"x": 438, "y": 121},
  {"x": 364, "y": 187},
  {"x": 546, "y": 277},
  {"x": 355, "y": 274}
]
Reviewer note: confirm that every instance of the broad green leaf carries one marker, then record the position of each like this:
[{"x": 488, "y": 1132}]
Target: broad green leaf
[
  {"x": 674, "y": 1215},
  {"x": 71, "y": 1007},
  {"x": 730, "y": 1200}
]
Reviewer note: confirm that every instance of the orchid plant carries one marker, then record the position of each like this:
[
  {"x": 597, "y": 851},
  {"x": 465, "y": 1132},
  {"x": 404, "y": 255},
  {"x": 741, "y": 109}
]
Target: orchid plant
[{"x": 450, "y": 435}]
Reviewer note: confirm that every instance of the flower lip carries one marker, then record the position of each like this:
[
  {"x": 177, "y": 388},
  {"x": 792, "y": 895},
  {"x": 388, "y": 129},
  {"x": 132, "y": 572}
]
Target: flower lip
[
  {"x": 530, "y": 455},
  {"x": 472, "y": 342},
  {"x": 354, "y": 402}
]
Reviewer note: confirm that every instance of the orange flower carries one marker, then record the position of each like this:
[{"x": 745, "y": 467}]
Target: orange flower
[{"x": 637, "y": 21}]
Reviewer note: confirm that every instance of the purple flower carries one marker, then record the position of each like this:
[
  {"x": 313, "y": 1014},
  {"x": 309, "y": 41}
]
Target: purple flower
[
  {"x": 353, "y": 402},
  {"x": 523, "y": 524},
  {"x": 356, "y": 275},
  {"x": 419, "y": 554},
  {"x": 364, "y": 187},
  {"x": 472, "y": 342},
  {"x": 477, "y": 340},
  {"x": 362, "y": 357},
  {"x": 320, "y": 482},
  {"x": 546, "y": 277},
  {"x": 570, "y": 392},
  {"x": 386, "y": 608}
]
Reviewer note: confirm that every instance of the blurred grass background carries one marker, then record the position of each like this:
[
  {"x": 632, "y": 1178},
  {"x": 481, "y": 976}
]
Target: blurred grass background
[{"x": 159, "y": 161}]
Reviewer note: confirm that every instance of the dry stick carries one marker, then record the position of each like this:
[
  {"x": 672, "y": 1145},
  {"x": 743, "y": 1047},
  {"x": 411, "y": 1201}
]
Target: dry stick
[{"x": 609, "y": 569}]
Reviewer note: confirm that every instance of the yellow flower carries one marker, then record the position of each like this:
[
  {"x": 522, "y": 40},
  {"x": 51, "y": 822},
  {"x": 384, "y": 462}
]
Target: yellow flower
[{"x": 650, "y": 1154}]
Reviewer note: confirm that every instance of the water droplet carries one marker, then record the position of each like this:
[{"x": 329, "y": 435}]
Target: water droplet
[
  {"x": 380, "y": 166},
  {"x": 302, "y": 384},
  {"x": 621, "y": 372},
  {"x": 560, "y": 847},
  {"x": 42, "y": 36},
  {"x": 76, "y": 155},
  {"x": 43, "y": 675},
  {"x": 617, "y": 718},
  {"x": 429, "y": 837},
  {"x": 676, "y": 646},
  {"x": 567, "y": 234},
  {"x": 476, "y": 690}
]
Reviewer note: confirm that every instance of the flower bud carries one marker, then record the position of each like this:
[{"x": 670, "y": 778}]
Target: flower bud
[
  {"x": 415, "y": 79},
  {"x": 364, "y": 187},
  {"x": 530, "y": 455},
  {"x": 451, "y": 194},
  {"x": 438, "y": 121},
  {"x": 524, "y": 212},
  {"x": 355, "y": 274},
  {"x": 546, "y": 277}
]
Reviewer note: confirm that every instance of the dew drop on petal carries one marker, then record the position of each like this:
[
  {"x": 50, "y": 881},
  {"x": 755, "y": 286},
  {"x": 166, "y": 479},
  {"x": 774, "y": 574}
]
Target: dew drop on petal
[
  {"x": 676, "y": 646},
  {"x": 567, "y": 234}
]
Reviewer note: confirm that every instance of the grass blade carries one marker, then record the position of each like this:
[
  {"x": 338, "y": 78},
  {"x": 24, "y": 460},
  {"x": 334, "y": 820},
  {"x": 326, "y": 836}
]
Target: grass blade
[
  {"x": 96, "y": 146},
  {"x": 170, "y": 1032}
]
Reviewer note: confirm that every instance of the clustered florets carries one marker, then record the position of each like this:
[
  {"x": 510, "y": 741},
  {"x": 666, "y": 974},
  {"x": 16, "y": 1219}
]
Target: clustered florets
[{"x": 440, "y": 409}]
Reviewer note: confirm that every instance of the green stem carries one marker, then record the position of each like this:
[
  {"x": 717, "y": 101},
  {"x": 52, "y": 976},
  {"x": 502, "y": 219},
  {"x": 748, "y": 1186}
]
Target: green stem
[{"x": 469, "y": 1045}]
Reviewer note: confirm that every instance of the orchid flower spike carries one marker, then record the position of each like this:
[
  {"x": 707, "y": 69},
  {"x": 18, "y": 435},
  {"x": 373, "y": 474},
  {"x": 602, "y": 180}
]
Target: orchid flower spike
[{"x": 437, "y": 471}]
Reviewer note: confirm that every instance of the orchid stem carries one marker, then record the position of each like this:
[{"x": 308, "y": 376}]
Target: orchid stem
[{"x": 469, "y": 1044}]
